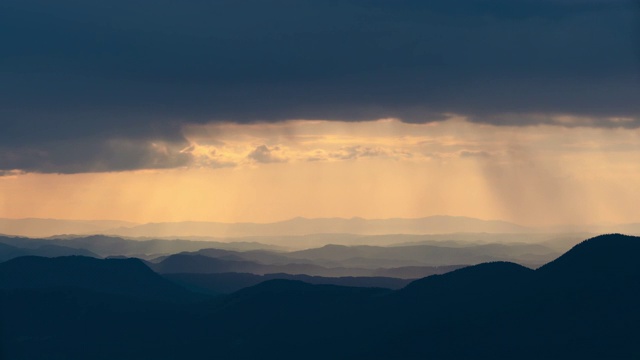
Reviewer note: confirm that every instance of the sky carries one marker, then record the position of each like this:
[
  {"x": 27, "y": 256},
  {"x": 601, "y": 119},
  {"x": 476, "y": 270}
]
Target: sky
[{"x": 526, "y": 111}]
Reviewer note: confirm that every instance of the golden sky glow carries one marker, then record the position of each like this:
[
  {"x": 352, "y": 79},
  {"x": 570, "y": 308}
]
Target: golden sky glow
[{"x": 536, "y": 175}]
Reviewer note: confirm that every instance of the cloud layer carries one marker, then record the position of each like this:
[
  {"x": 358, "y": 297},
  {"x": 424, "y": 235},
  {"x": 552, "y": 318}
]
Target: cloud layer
[
  {"x": 536, "y": 175},
  {"x": 78, "y": 77}
]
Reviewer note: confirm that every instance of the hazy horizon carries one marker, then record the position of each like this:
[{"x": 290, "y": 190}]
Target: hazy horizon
[
  {"x": 300, "y": 232},
  {"x": 534, "y": 176}
]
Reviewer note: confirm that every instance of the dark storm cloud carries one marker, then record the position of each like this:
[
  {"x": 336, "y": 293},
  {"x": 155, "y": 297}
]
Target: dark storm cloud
[
  {"x": 84, "y": 74},
  {"x": 77, "y": 156}
]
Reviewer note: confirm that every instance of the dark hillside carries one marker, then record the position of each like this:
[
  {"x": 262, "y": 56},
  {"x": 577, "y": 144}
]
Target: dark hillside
[{"x": 128, "y": 277}]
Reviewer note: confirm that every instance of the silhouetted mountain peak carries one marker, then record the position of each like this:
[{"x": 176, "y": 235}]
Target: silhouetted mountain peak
[
  {"x": 482, "y": 279},
  {"x": 608, "y": 253}
]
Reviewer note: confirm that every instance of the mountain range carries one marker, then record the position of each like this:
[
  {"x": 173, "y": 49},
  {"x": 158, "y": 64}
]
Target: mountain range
[
  {"x": 34, "y": 227},
  {"x": 581, "y": 305},
  {"x": 303, "y": 226},
  {"x": 293, "y": 227},
  {"x": 105, "y": 246},
  {"x": 200, "y": 264},
  {"x": 8, "y": 252},
  {"x": 406, "y": 261}
]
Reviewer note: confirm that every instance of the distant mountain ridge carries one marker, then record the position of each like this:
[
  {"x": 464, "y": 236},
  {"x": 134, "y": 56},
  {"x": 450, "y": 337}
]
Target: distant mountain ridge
[
  {"x": 337, "y": 260},
  {"x": 8, "y": 252},
  {"x": 293, "y": 227},
  {"x": 205, "y": 230},
  {"x": 407, "y": 261},
  {"x": 303, "y": 226},
  {"x": 200, "y": 264},
  {"x": 35, "y": 227},
  {"x": 115, "y": 246}
]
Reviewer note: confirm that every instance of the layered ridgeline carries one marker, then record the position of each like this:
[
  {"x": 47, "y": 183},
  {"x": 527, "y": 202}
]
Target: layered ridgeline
[
  {"x": 408, "y": 262},
  {"x": 34, "y": 227},
  {"x": 303, "y": 233},
  {"x": 581, "y": 305},
  {"x": 104, "y": 246},
  {"x": 44, "y": 249},
  {"x": 405, "y": 260},
  {"x": 303, "y": 226},
  {"x": 293, "y": 227}
]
